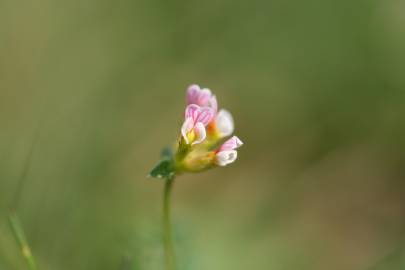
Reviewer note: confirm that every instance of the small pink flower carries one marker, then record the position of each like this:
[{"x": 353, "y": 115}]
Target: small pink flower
[
  {"x": 227, "y": 153},
  {"x": 201, "y": 97},
  {"x": 197, "y": 118}
]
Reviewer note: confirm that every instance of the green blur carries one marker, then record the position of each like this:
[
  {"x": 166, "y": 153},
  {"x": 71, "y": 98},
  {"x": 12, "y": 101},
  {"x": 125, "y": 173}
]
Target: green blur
[{"x": 92, "y": 91}]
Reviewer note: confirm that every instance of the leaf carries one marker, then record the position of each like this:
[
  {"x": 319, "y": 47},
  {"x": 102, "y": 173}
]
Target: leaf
[{"x": 164, "y": 169}]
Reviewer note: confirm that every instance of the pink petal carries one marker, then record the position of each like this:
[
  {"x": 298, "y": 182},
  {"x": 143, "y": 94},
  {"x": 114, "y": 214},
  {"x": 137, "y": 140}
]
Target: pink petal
[
  {"x": 193, "y": 93},
  {"x": 231, "y": 144},
  {"x": 204, "y": 97},
  {"x": 200, "y": 133},
  {"x": 213, "y": 103},
  {"x": 192, "y": 111},
  {"x": 201, "y": 97},
  {"x": 205, "y": 115}
]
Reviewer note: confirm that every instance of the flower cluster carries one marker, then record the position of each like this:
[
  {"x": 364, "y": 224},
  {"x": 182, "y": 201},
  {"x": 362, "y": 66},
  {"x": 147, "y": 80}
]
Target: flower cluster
[{"x": 203, "y": 129}]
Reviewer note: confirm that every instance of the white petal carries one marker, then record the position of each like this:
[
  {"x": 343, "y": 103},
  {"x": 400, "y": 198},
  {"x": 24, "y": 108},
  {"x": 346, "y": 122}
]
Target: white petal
[
  {"x": 187, "y": 127},
  {"x": 224, "y": 123},
  {"x": 200, "y": 133},
  {"x": 226, "y": 157}
]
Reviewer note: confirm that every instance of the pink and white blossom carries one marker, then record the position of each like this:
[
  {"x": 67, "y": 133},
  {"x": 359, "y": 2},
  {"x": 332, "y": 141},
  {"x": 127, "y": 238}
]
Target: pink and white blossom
[
  {"x": 227, "y": 153},
  {"x": 196, "y": 119}
]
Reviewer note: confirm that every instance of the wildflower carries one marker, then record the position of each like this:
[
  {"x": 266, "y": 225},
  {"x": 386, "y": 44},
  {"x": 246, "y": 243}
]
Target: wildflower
[{"x": 203, "y": 129}]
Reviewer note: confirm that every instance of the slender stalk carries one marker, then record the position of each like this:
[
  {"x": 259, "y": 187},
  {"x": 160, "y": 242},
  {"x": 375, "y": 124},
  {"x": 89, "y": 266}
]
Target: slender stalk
[
  {"x": 170, "y": 258},
  {"x": 21, "y": 240}
]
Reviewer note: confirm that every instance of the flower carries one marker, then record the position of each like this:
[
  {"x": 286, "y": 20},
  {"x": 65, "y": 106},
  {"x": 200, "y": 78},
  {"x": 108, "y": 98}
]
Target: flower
[
  {"x": 196, "y": 119},
  {"x": 227, "y": 154},
  {"x": 201, "y": 97},
  {"x": 203, "y": 129}
]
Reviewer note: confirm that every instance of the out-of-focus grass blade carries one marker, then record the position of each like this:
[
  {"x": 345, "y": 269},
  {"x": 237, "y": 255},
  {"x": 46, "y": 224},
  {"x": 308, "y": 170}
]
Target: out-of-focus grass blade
[
  {"x": 19, "y": 235},
  {"x": 14, "y": 221}
]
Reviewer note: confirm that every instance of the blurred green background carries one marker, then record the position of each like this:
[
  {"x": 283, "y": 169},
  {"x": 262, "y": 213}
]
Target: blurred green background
[{"x": 97, "y": 88}]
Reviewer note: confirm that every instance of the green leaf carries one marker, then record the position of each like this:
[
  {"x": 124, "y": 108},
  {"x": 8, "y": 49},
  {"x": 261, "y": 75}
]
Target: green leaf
[{"x": 164, "y": 169}]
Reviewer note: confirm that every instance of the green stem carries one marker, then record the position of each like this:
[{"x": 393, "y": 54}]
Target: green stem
[
  {"x": 170, "y": 258},
  {"x": 21, "y": 240}
]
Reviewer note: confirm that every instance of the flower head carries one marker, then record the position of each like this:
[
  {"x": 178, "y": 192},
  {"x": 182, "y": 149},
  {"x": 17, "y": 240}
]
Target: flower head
[{"x": 204, "y": 128}]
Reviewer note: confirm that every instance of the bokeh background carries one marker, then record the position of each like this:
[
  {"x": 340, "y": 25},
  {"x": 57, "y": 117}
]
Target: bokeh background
[{"x": 91, "y": 91}]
